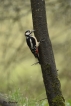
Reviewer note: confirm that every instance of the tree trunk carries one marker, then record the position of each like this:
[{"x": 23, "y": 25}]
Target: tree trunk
[{"x": 49, "y": 72}]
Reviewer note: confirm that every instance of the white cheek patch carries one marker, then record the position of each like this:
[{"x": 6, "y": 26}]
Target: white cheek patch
[{"x": 27, "y": 33}]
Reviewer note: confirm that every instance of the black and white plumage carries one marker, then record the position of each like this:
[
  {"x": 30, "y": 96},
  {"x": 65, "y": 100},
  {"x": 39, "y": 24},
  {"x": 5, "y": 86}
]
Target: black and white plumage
[{"x": 32, "y": 43}]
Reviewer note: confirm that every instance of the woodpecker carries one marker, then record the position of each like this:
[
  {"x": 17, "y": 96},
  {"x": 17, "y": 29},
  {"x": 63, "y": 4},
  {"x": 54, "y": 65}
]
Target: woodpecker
[{"x": 32, "y": 43}]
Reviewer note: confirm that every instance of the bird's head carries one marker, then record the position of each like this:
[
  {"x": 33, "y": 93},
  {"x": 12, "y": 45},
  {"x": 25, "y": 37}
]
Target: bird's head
[{"x": 28, "y": 32}]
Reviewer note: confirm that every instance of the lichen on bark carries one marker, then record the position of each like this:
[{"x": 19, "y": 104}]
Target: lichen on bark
[{"x": 58, "y": 101}]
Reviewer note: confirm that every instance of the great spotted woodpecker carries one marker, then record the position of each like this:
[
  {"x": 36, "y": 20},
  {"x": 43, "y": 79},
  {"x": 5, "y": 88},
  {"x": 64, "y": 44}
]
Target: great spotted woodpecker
[{"x": 32, "y": 43}]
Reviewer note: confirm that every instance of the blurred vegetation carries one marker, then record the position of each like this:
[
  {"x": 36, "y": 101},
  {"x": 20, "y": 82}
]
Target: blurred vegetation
[
  {"x": 15, "y": 57},
  {"x": 19, "y": 98}
]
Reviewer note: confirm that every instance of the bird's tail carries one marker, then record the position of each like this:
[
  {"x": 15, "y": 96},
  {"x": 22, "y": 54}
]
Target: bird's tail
[{"x": 38, "y": 59}]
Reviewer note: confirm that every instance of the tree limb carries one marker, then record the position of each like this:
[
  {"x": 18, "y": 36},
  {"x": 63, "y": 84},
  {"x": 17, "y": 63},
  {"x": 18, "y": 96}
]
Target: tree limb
[{"x": 5, "y": 102}]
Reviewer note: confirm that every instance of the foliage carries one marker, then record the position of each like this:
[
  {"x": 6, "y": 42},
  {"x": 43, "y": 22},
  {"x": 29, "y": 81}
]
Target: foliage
[
  {"x": 25, "y": 101},
  {"x": 16, "y": 59},
  {"x": 16, "y": 96}
]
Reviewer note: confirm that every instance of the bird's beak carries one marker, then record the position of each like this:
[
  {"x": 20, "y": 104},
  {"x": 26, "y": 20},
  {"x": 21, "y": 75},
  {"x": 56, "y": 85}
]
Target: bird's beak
[{"x": 32, "y": 31}]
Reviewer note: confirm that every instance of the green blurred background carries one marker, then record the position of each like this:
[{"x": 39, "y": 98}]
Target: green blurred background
[{"x": 16, "y": 59}]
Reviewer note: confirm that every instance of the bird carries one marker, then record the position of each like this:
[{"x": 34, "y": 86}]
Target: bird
[{"x": 32, "y": 43}]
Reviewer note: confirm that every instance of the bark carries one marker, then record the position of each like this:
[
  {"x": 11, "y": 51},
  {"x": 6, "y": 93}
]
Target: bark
[{"x": 49, "y": 72}]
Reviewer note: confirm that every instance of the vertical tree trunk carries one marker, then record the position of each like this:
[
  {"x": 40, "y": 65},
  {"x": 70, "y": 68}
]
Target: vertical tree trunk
[{"x": 49, "y": 72}]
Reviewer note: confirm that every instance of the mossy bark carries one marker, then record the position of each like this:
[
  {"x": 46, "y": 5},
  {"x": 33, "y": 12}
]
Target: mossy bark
[
  {"x": 52, "y": 86},
  {"x": 49, "y": 71}
]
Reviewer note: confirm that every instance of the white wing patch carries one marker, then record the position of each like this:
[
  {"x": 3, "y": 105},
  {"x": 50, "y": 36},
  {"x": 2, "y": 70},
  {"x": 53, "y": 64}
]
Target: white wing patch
[{"x": 31, "y": 43}]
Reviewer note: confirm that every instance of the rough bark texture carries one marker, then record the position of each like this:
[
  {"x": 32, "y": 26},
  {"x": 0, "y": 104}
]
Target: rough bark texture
[{"x": 49, "y": 72}]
